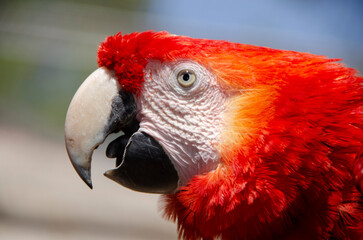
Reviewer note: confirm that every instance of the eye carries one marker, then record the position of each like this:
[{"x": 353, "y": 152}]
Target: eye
[{"x": 186, "y": 78}]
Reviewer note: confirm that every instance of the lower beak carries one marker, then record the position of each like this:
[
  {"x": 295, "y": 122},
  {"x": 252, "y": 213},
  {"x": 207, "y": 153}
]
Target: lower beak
[{"x": 100, "y": 107}]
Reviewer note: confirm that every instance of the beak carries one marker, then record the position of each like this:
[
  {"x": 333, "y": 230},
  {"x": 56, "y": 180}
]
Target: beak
[{"x": 100, "y": 107}]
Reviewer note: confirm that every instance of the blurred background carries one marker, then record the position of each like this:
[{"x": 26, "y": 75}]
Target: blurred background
[{"x": 47, "y": 48}]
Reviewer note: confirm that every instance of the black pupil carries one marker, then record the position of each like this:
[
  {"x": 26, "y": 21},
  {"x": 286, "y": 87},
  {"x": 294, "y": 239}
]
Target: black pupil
[{"x": 186, "y": 76}]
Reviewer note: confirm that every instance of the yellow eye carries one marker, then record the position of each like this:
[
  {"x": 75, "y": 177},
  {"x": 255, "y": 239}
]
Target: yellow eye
[{"x": 186, "y": 78}]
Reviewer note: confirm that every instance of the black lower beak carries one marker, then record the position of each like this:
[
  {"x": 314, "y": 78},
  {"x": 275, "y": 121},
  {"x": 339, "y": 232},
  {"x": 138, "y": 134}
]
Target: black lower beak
[{"x": 144, "y": 165}]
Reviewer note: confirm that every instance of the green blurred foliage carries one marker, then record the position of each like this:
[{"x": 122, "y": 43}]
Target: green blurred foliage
[
  {"x": 36, "y": 96},
  {"x": 47, "y": 48}
]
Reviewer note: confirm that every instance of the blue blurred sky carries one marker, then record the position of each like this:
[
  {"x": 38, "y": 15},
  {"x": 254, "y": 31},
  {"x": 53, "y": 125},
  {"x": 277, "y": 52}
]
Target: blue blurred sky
[{"x": 329, "y": 27}]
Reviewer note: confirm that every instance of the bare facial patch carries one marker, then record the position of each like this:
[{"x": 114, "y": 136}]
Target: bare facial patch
[{"x": 186, "y": 119}]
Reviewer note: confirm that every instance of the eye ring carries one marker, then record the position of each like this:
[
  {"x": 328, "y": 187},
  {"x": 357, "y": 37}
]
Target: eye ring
[{"x": 186, "y": 78}]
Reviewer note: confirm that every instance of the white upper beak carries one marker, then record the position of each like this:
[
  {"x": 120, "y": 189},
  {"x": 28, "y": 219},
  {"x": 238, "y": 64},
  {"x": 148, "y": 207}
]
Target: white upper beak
[{"x": 87, "y": 118}]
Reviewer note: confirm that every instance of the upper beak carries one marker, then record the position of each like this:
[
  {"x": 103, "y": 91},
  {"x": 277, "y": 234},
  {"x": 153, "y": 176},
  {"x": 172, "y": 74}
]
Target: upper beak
[{"x": 101, "y": 107}]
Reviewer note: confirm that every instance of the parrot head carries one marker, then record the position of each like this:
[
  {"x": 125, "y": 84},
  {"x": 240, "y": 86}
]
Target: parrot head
[{"x": 241, "y": 139}]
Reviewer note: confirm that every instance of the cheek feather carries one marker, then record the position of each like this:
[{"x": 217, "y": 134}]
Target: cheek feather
[{"x": 246, "y": 115}]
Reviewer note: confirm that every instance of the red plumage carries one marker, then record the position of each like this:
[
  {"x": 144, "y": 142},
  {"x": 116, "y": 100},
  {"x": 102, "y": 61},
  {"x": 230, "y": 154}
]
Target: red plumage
[{"x": 292, "y": 169}]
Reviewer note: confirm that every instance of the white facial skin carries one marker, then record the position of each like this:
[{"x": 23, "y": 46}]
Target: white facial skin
[{"x": 186, "y": 121}]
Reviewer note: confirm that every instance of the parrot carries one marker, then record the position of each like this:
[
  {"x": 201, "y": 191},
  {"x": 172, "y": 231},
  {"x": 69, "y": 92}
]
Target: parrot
[{"x": 240, "y": 141}]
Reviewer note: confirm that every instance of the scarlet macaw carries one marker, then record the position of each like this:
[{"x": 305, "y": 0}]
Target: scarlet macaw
[{"x": 244, "y": 142}]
